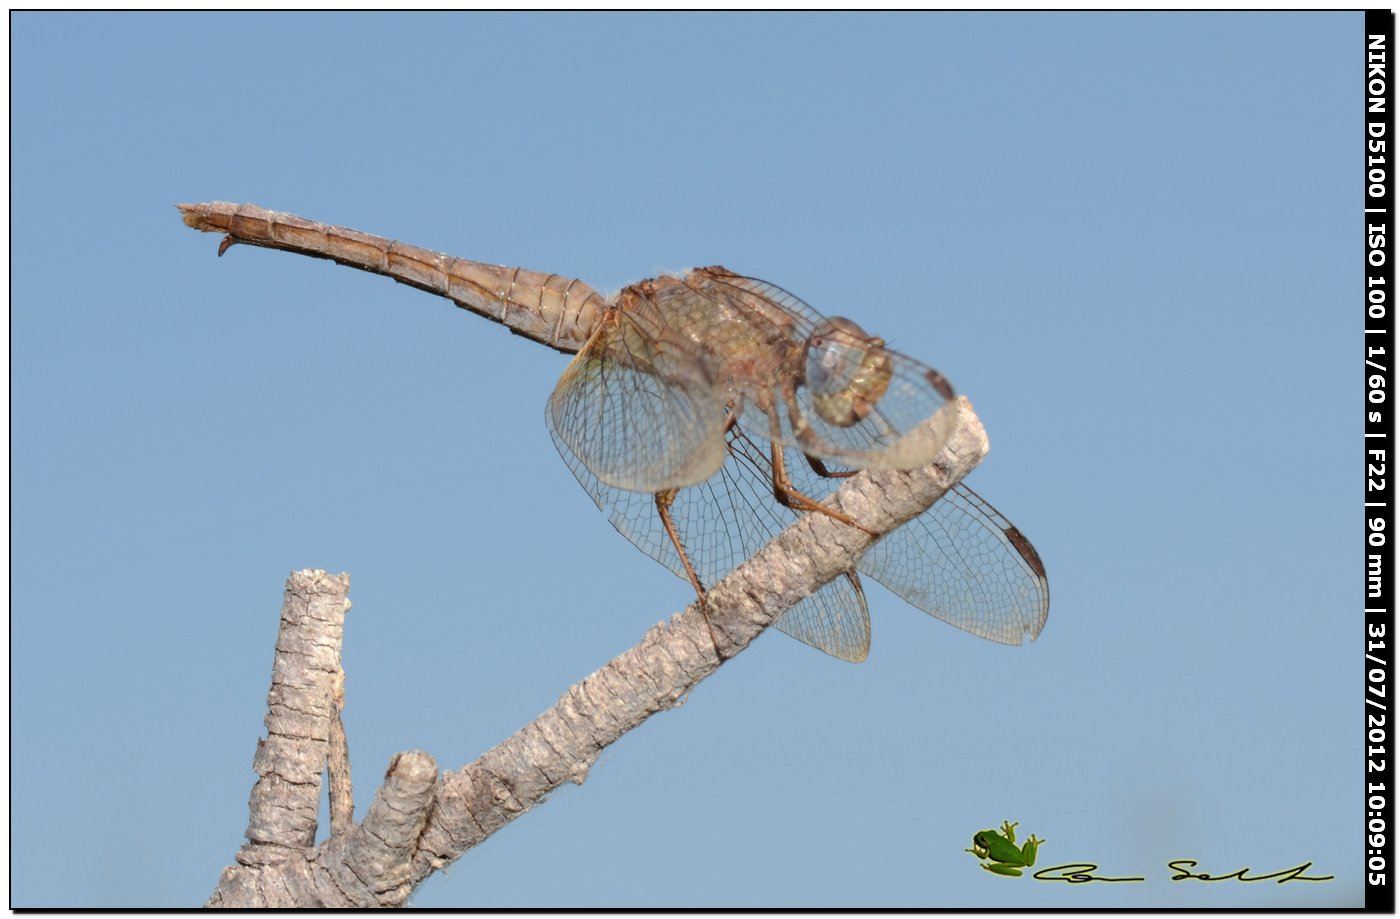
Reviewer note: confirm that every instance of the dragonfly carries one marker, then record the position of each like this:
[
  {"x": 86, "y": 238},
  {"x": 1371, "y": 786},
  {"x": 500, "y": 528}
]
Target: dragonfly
[{"x": 705, "y": 412}]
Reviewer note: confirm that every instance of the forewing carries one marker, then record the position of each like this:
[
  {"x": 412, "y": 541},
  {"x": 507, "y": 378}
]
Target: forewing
[
  {"x": 878, "y": 410},
  {"x": 722, "y": 522},
  {"x": 637, "y": 410},
  {"x": 966, "y": 564}
]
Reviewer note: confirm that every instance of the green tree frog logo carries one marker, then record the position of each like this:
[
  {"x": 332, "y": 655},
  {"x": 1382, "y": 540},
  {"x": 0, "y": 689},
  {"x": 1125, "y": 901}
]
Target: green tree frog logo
[{"x": 1000, "y": 850}]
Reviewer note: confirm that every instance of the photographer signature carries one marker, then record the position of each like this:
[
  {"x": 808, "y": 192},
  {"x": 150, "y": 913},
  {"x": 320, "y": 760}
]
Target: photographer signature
[{"x": 1081, "y": 873}]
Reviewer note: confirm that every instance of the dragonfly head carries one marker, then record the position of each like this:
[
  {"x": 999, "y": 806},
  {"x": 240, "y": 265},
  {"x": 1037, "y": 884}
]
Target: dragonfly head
[{"x": 846, "y": 371}]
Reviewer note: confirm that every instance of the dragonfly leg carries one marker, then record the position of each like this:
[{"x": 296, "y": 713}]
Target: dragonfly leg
[
  {"x": 788, "y": 496},
  {"x": 820, "y": 469},
  {"x": 664, "y": 500}
]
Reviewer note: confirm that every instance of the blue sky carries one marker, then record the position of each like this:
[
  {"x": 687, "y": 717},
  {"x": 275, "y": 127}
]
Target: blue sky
[{"x": 1132, "y": 240}]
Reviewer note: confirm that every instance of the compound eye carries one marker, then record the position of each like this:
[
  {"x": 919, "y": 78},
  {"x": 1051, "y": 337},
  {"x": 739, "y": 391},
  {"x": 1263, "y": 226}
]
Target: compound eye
[{"x": 847, "y": 371}]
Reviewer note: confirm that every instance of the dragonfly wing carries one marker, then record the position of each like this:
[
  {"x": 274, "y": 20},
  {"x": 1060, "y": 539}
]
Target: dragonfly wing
[
  {"x": 834, "y": 619},
  {"x": 847, "y": 398},
  {"x": 637, "y": 410},
  {"x": 966, "y": 564},
  {"x": 722, "y": 522}
]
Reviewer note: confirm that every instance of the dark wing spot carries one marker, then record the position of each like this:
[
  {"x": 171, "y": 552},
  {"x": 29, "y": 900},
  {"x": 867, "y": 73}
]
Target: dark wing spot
[
  {"x": 940, "y": 383},
  {"x": 1023, "y": 546}
]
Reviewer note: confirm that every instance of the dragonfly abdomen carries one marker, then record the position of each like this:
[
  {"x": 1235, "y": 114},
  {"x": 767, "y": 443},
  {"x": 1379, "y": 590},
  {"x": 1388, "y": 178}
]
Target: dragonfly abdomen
[{"x": 548, "y": 308}]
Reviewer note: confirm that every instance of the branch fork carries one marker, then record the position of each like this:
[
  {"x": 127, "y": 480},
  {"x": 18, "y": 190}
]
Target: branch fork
[{"x": 421, "y": 821}]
